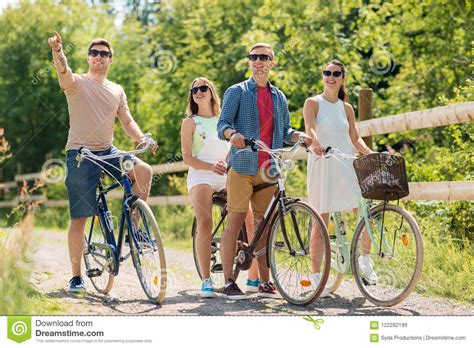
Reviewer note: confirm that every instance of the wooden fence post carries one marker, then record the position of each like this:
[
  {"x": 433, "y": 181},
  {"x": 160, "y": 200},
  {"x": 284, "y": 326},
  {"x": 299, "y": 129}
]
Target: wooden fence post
[{"x": 365, "y": 110}]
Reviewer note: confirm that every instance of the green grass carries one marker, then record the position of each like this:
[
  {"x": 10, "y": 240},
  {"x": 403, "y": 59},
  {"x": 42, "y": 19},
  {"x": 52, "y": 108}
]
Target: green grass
[
  {"x": 447, "y": 269},
  {"x": 19, "y": 296},
  {"x": 169, "y": 241}
]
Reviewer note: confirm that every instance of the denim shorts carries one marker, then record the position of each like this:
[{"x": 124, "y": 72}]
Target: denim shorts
[{"x": 81, "y": 183}]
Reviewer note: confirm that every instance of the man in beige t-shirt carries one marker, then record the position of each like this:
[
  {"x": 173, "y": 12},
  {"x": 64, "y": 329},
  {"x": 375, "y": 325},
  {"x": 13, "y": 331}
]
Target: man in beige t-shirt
[{"x": 93, "y": 102}]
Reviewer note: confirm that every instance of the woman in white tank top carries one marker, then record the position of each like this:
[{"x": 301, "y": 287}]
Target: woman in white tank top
[
  {"x": 332, "y": 184},
  {"x": 205, "y": 155}
]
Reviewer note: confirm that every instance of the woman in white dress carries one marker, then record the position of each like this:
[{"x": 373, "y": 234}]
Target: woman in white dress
[{"x": 332, "y": 183}]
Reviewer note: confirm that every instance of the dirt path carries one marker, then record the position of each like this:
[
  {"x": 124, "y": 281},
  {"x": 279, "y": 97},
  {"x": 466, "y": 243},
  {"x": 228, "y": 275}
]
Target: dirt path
[{"x": 182, "y": 298}]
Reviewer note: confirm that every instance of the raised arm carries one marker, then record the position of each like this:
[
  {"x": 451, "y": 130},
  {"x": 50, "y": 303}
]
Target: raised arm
[{"x": 66, "y": 78}]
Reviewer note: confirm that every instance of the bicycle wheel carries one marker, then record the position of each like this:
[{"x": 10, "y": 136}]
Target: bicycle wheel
[
  {"x": 219, "y": 224},
  {"x": 148, "y": 256},
  {"x": 98, "y": 261},
  {"x": 396, "y": 255},
  {"x": 298, "y": 246}
]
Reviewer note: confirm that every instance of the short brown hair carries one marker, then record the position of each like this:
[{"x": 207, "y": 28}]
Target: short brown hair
[
  {"x": 263, "y": 44},
  {"x": 104, "y": 42}
]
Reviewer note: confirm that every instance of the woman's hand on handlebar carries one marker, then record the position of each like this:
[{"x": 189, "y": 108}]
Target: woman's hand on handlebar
[
  {"x": 317, "y": 149},
  {"x": 305, "y": 139}
]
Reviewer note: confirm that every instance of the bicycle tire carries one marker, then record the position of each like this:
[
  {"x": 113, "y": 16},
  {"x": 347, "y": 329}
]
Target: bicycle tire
[
  {"x": 389, "y": 289},
  {"x": 299, "y": 290},
  {"x": 153, "y": 281}
]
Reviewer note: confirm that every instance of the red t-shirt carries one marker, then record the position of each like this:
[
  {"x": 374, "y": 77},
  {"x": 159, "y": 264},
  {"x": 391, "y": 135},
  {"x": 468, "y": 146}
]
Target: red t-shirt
[{"x": 265, "y": 116}]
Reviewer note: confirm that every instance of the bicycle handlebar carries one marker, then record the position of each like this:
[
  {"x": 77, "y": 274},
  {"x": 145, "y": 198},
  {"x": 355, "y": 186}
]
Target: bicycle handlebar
[
  {"x": 281, "y": 165},
  {"x": 254, "y": 143},
  {"x": 86, "y": 153},
  {"x": 330, "y": 152}
]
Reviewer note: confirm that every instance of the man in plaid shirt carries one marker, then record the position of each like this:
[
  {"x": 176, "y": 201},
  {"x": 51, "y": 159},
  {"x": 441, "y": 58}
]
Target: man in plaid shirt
[{"x": 252, "y": 109}]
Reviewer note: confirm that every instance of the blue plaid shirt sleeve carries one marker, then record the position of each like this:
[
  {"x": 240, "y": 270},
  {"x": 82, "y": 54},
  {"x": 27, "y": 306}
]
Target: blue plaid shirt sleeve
[
  {"x": 287, "y": 129},
  {"x": 230, "y": 110}
]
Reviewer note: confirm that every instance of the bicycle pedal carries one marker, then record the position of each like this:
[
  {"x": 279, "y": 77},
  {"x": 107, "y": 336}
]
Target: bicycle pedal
[{"x": 95, "y": 272}]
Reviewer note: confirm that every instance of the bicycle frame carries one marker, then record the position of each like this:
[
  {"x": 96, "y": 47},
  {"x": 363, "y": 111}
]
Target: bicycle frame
[
  {"x": 115, "y": 247},
  {"x": 342, "y": 264},
  {"x": 276, "y": 208}
]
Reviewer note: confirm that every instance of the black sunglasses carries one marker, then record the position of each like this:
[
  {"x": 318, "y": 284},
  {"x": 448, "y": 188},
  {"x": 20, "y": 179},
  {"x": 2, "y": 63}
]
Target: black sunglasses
[
  {"x": 202, "y": 88},
  {"x": 103, "y": 54},
  {"x": 262, "y": 57},
  {"x": 328, "y": 73}
]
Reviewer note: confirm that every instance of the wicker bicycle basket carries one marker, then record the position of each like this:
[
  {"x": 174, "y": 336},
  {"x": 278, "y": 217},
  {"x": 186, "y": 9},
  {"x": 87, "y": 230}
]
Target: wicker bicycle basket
[{"x": 382, "y": 176}]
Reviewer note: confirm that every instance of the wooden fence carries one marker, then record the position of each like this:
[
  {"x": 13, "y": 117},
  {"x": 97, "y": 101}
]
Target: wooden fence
[{"x": 429, "y": 118}]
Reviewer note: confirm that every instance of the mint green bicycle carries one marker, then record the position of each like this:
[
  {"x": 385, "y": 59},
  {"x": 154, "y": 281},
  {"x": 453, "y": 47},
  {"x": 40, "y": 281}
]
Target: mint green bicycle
[{"x": 386, "y": 252}]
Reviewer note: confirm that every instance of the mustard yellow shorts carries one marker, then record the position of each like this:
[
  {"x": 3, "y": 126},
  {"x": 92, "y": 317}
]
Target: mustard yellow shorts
[{"x": 240, "y": 193}]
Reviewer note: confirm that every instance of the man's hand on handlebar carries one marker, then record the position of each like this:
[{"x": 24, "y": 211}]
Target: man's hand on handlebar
[
  {"x": 238, "y": 140},
  {"x": 154, "y": 146}
]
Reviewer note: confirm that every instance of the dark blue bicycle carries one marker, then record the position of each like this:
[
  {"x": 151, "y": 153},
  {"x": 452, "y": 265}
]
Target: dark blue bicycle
[{"x": 103, "y": 253}]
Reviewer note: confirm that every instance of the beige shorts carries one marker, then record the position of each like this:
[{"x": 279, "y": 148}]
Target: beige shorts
[{"x": 240, "y": 193}]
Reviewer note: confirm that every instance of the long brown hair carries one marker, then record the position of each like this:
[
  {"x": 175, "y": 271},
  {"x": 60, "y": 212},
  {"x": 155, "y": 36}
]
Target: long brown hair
[
  {"x": 342, "y": 94},
  {"x": 192, "y": 108}
]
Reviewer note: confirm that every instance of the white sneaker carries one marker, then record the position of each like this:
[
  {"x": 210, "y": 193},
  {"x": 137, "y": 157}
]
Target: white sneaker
[
  {"x": 365, "y": 264},
  {"x": 316, "y": 279},
  {"x": 207, "y": 288}
]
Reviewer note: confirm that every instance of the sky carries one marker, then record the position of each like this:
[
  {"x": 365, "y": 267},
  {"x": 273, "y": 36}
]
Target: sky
[{"x": 4, "y": 3}]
